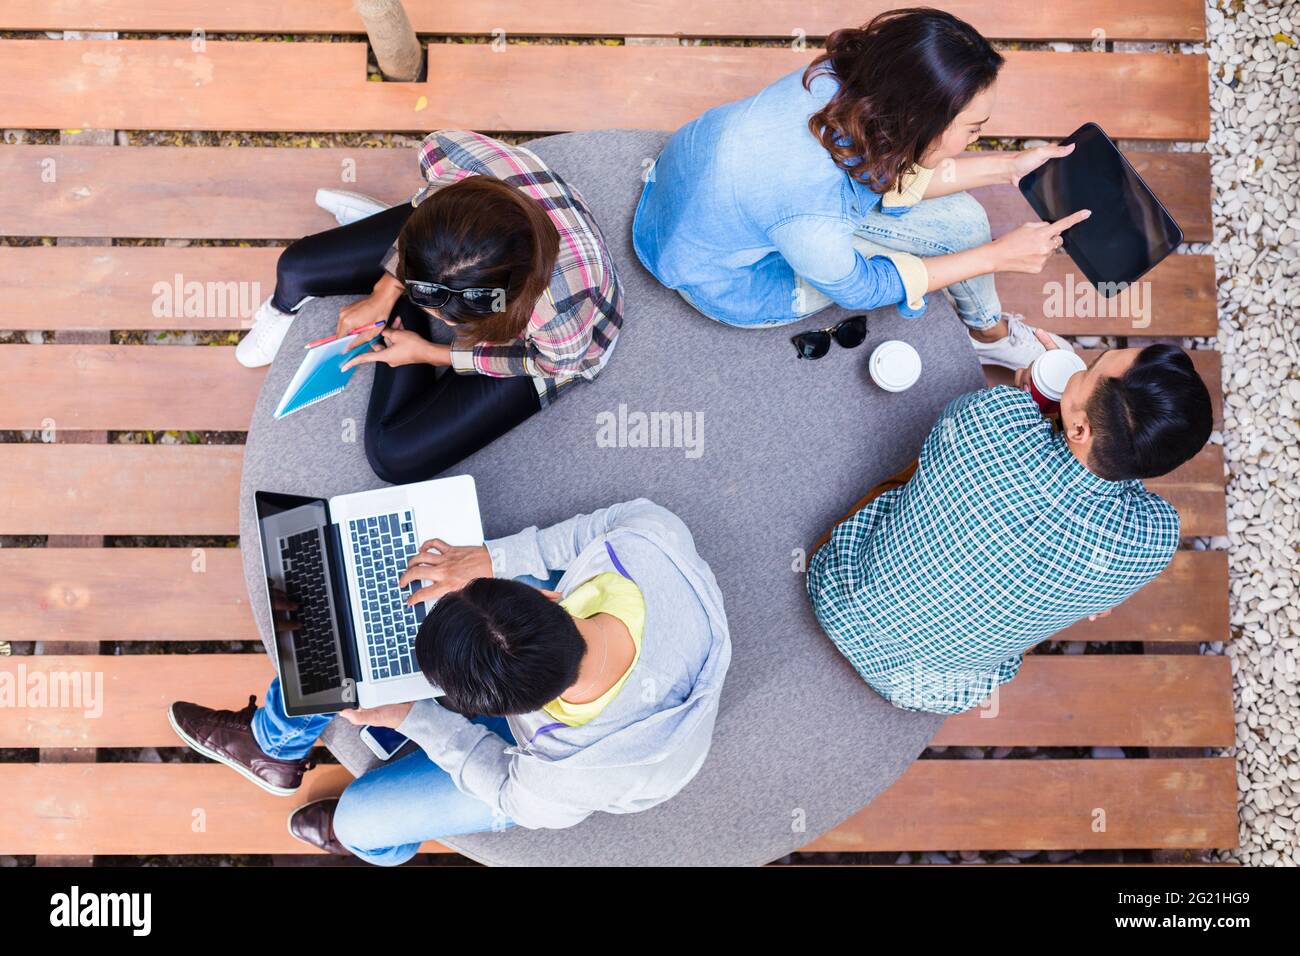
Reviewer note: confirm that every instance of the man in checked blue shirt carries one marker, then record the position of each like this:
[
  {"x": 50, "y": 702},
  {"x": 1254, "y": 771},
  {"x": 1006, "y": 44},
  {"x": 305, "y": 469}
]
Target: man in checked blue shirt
[{"x": 1010, "y": 530}]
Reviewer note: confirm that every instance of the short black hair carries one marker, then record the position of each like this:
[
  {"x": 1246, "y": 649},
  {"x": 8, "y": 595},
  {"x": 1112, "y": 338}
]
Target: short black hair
[
  {"x": 499, "y": 647},
  {"x": 1148, "y": 421}
]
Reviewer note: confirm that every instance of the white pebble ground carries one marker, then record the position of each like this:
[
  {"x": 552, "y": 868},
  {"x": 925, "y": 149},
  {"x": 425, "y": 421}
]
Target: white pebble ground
[{"x": 1254, "y": 51}]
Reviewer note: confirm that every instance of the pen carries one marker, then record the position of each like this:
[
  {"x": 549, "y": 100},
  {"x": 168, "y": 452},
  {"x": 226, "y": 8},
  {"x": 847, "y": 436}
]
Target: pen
[{"x": 332, "y": 338}]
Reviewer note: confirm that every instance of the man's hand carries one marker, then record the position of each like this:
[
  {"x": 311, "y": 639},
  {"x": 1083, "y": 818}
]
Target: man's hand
[
  {"x": 1027, "y": 160},
  {"x": 386, "y": 715},
  {"x": 1022, "y": 374},
  {"x": 445, "y": 567}
]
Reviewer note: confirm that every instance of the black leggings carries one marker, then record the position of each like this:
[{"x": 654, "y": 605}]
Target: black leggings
[{"x": 421, "y": 420}]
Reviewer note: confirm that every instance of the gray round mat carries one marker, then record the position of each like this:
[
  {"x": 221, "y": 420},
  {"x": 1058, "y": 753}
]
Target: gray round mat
[{"x": 785, "y": 448}]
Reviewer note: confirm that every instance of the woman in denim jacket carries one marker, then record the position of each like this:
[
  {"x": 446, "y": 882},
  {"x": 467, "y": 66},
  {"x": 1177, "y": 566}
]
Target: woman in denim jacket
[{"x": 846, "y": 183}]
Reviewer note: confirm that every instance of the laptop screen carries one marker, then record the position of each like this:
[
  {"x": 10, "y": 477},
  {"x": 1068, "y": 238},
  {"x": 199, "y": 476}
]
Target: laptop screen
[{"x": 304, "y": 606}]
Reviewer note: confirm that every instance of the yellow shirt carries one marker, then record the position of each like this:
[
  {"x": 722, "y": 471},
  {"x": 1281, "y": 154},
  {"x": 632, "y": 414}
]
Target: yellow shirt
[{"x": 606, "y": 593}]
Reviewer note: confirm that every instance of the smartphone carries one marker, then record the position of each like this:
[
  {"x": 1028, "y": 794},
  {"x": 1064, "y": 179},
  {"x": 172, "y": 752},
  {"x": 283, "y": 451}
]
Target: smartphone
[{"x": 383, "y": 741}]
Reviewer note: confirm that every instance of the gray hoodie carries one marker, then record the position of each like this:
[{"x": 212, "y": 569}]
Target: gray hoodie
[{"x": 652, "y": 738}]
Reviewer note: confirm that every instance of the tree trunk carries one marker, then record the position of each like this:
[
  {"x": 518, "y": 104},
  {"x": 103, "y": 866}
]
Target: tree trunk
[{"x": 393, "y": 38}]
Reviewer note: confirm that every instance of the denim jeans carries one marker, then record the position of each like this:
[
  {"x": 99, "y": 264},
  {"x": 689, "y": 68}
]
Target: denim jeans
[
  {"x": 384, "y": 816},
  {"x": 933, "y": 227},
  {"x": 941, "y": 227}
]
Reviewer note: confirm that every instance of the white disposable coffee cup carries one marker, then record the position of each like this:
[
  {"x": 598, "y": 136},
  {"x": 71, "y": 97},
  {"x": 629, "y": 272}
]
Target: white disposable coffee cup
[
  {"x": 894, "y": 366},
  {"x": 1049, "y": 375}
]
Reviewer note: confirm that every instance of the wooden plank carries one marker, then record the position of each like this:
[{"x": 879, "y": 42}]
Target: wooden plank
[
  {"x": 83, "y": 138},
  {"x": 120, "y": 489},
  {"x": 936, "y": 805},
  {"x": 1187, "y": 603},
  {"x": 117, "y": 388},
  {"x": 1060, "y": 20},
  {"x": 266, "y": 193},
  {"x": 127, "y": 594},
  {"x": 1208, "y": 364},
  {"x": 1181, "y": 180},
  {"x": 207, "y": 287},
  {"x": 1048, "y": 805},
  {"x": 165, "y": 594},
  {"x": 1178, "y": 297},
  {"x": 73, "y": 489},
  {"x": 1116, "y": 700},
  {"x": 239, "y": 85},
  {"x": 137, "y": 808},
  {"x": 1056, "y": 701},
  {"x": 122, "y": 701},
  {"x": 1196, "y": 490},
  {"x": 134, "y": 287}
]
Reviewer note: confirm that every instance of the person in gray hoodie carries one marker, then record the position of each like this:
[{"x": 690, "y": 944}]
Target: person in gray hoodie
[{"x": 597, "y": 696}]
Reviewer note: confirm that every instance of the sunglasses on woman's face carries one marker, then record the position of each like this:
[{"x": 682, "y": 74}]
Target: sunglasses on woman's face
[
  {"x": 850, "y": 333},
  {"x": 434, "y": 295}
]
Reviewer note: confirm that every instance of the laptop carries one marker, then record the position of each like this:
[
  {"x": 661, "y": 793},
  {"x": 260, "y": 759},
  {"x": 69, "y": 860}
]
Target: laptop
[
  {"x": 1129, "y": 232},
  {"x": 352, "y": 643}
]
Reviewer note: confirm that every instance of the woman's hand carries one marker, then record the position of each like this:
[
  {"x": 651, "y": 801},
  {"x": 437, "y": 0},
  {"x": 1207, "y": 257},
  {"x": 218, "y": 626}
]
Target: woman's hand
[
  {"x": 1027, "y": 160},
  {"x": 375, "y": 307},
  {"x": 403, "y": 347},
  {"x": 1027, "y": 248},
  {"x": 385, "y": 715},
  {"x": 445, "y": 568}
]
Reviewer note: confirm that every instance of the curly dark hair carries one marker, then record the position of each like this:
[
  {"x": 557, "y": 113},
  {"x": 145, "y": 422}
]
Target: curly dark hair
[{"x": 903, "y": 78}]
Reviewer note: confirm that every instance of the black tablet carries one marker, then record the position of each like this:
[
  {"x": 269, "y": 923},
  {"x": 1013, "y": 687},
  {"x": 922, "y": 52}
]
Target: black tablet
[{"x": 1129, "y": 230}]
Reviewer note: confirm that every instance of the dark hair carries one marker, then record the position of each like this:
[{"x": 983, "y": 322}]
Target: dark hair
[
  {"x": 903, "y": 78},
  {"x": 1148, "y": 421},
  {"x": 499, "y": 647},
  {"x": 480, "y": 233}
]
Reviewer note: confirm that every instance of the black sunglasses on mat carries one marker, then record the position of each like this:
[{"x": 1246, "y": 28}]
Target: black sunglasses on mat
[{"x": 850, "y": 333}]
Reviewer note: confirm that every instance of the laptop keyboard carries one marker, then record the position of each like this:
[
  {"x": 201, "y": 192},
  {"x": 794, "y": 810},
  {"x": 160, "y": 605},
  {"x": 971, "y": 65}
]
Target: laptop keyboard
[
  {"x": 381, "y": 547},
  {"x": 314, "y": 644}
]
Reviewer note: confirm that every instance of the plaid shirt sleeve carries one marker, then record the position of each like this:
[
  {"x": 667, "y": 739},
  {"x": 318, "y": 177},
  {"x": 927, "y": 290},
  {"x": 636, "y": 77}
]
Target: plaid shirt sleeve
[{"x": 550, "y": 350}]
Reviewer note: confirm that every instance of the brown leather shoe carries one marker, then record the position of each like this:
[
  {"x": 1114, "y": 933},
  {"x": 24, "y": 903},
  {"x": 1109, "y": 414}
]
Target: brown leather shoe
[
  {"x": 226, "y": 736},
  {"x": 313, "y": 824}
]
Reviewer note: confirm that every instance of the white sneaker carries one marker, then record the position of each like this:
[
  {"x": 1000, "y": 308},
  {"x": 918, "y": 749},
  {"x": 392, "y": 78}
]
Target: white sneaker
[
  {"x": 270, "y": 326},
  {"x": 348, "y": 207},
  {"x": 1020, "y": 347}
]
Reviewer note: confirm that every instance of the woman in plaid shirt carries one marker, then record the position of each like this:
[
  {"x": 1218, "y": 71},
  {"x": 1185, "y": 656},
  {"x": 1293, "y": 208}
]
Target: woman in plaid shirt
[{"x": 497, "y": 248}]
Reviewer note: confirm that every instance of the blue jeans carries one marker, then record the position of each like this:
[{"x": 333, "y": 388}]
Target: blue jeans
[
  {"x": 940, "y": 227},
  {"x": 384, "y": 816},
  {"x": 933, "y": 227}
]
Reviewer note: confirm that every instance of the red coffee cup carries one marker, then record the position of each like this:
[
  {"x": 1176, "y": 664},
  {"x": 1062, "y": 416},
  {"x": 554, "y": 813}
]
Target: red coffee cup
[{"x": 1048, "y": 376}]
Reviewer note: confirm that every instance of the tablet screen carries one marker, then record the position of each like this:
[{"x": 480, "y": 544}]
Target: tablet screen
[{"x": 1128, "y": 232}]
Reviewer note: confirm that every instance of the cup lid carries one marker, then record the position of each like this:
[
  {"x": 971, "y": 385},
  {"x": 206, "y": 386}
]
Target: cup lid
[
  {"x": 1053, "y": 370},
  {"x": 895, "y": 365}
]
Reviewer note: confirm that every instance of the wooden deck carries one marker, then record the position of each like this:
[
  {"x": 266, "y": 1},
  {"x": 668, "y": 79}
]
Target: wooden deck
[{"x": 75, "y": 211}]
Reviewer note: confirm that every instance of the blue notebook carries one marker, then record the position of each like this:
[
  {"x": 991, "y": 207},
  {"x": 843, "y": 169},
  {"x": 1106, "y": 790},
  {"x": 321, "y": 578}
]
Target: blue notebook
[{"x": 320, "y": 375}]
